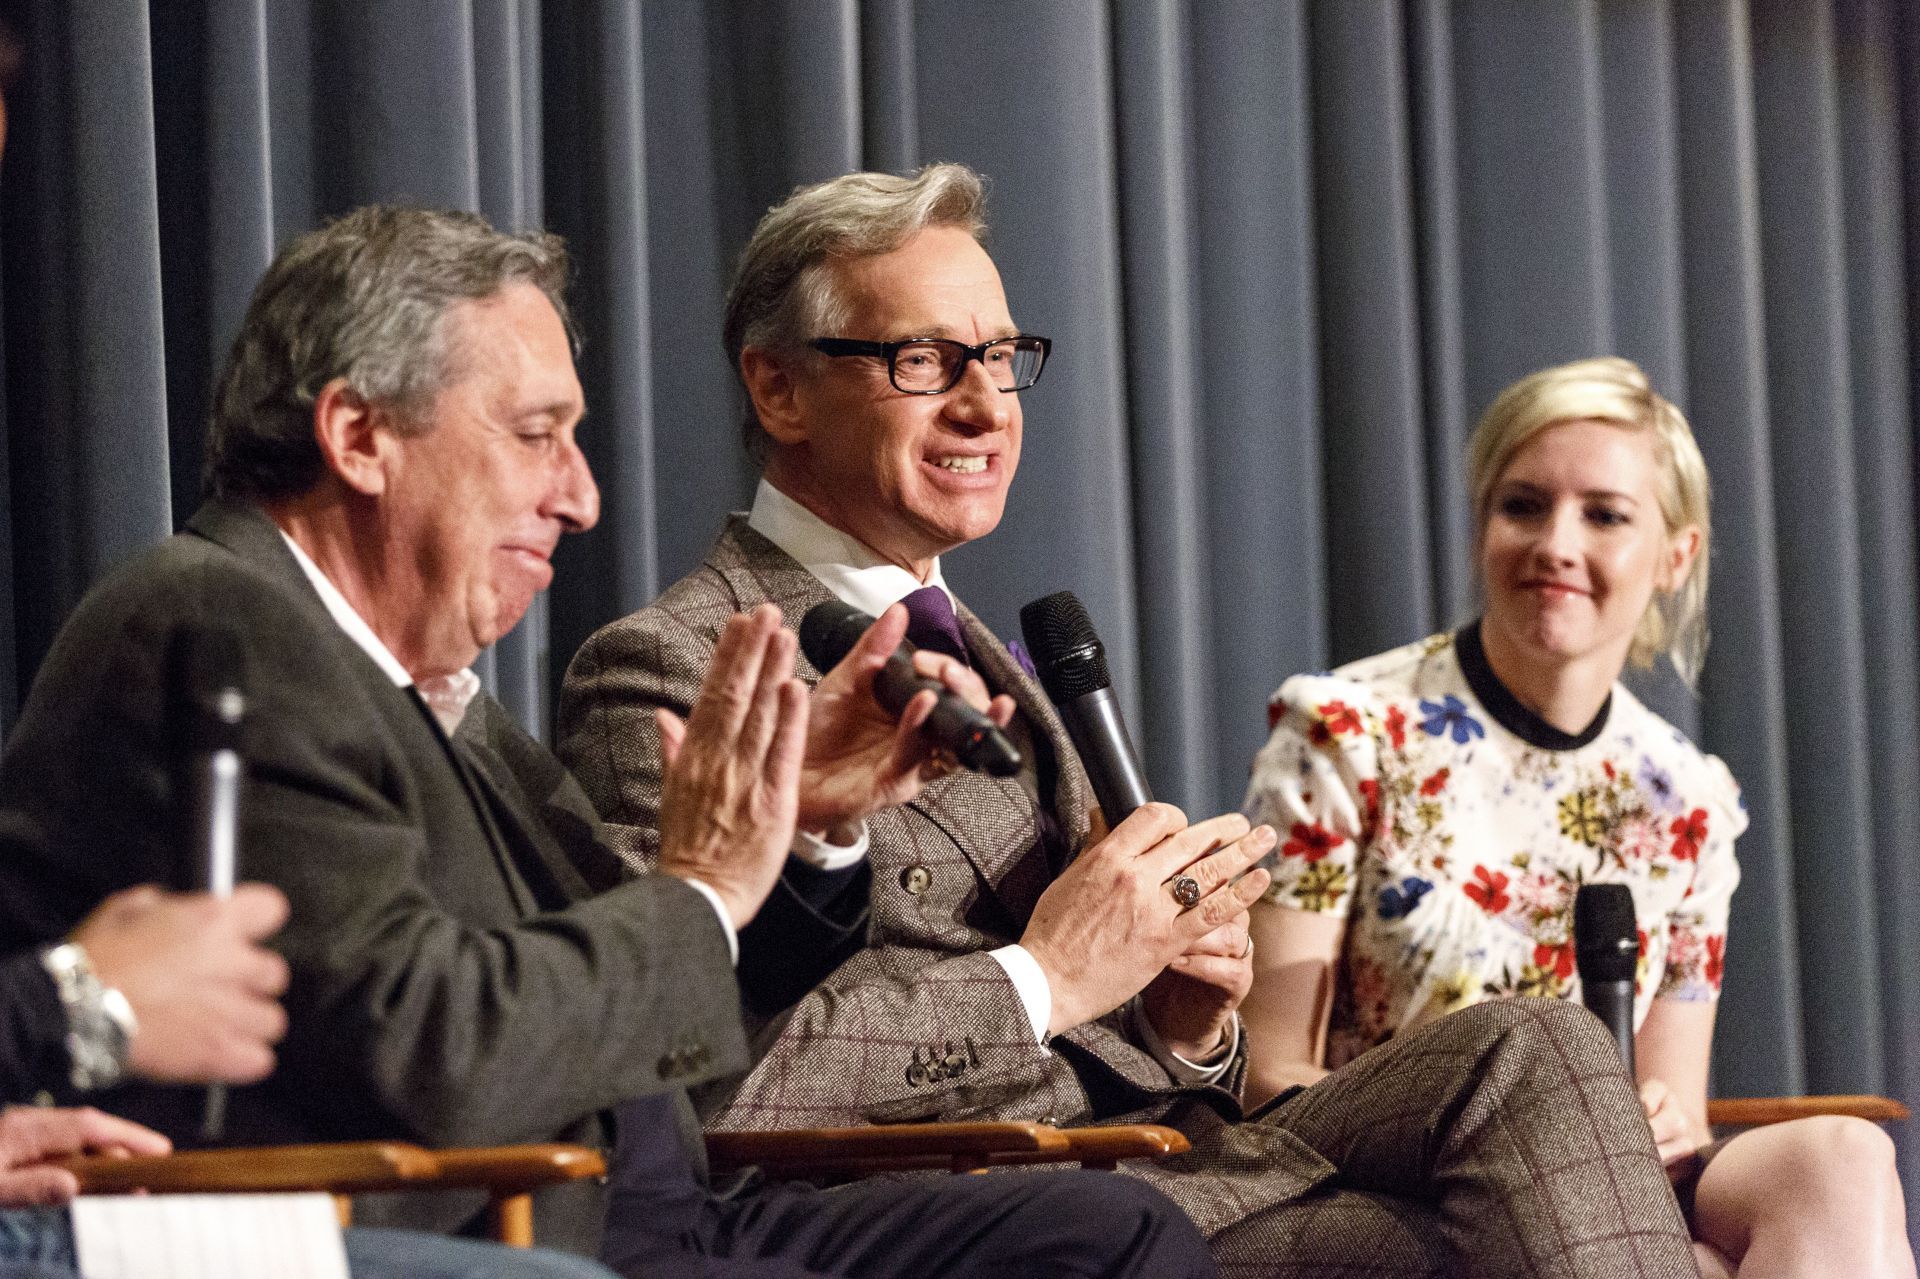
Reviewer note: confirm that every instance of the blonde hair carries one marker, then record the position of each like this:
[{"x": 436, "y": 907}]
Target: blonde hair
[{"x": 1614, "y": 391}]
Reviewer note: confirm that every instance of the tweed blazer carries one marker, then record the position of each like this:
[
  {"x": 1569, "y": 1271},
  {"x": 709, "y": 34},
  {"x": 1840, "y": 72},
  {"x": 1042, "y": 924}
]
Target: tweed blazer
[
  {"x": 455, "y": 979},
  {"x": 920, "y": 1022}
]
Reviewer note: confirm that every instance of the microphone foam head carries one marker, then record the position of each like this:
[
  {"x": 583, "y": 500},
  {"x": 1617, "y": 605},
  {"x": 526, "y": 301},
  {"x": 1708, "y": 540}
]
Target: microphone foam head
[
  {"x": 1065, "y": 649},
  {"x": 829, "y": 631},
  {"x": 1606, "y": 941}
]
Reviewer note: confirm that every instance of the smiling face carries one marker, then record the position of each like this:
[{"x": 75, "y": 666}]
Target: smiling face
[
  {"x": 1575, "y": 545},
  {"x": 911, "y": 476},
  {"x": 476, "y": 500}
]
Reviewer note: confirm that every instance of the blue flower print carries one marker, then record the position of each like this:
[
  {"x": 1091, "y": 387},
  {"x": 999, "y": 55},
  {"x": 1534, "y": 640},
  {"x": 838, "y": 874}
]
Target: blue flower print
[
  {"x": 1657, "y": 782},
  {"x": 1450, "y": 712},
  {"x": 1397, "y": 900}
]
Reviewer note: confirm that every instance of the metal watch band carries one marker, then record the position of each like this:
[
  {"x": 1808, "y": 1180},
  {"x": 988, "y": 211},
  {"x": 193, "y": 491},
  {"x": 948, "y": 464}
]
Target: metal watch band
[{"x": 100, "y": 1021}]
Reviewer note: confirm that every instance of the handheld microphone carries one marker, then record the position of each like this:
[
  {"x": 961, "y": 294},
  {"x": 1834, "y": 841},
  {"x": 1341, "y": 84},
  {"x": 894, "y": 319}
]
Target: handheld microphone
[
  {"x": 828, "y": 633},
  {"x": 210, "y": 706},
  {"x": 1073, "y": 669},
  {"x": 1606, "y": 949}
]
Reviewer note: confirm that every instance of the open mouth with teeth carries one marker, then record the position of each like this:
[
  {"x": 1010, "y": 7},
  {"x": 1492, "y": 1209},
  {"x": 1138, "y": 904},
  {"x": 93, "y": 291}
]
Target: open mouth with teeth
[{"x": 962, "y": 465}]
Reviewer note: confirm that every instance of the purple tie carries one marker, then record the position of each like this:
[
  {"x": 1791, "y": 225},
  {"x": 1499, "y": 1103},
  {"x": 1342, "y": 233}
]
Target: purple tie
[{"x": 931, "y": 622}]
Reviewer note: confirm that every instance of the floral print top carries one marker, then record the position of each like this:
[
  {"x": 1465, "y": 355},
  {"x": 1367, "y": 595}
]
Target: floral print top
[{"x": 1419, "y": 800}]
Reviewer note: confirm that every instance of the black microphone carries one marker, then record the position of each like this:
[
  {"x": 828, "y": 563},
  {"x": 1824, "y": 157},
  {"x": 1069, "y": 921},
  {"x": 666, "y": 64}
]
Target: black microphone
[
  {"x": 828, "y": 633},
  {"x": 210, "y": 706},
  {"x": 1606, "y": 949},
  {"x": 1073, "y": 669}
]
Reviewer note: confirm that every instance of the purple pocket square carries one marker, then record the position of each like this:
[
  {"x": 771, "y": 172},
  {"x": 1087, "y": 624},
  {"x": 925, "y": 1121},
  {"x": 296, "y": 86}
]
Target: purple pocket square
[{"x": 1018, "y": 651}]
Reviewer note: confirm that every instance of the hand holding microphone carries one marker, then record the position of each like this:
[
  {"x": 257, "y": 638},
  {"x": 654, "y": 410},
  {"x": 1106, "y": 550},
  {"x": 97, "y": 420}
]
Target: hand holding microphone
[{"x": 887, "y": 717}]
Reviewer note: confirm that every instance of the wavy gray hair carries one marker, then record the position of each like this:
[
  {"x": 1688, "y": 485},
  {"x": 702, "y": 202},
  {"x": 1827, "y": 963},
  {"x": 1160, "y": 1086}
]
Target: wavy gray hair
[
  {"x": 783, "y": 294},
  {"x": 363, "y": 298}
]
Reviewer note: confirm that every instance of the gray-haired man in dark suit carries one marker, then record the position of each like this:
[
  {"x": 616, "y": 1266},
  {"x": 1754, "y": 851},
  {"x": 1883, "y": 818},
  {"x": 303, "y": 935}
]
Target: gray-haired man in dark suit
[
  {"x": 392, "y": 459},
  {"x": 998, "y": 960}
]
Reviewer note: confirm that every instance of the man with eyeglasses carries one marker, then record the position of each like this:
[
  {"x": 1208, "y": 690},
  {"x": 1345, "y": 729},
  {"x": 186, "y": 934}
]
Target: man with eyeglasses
[{"x": 982, "y": 952}]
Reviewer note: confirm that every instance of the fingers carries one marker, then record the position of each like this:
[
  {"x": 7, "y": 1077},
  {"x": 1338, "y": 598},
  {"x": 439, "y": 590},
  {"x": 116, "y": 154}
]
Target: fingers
[
  {"x": 260, "y": 910},
  {"x": 1229, "y": 940},
  {"x": 1229, "y": 901},
  {"x": 673, "y": 734},
  {"x": 789, "y": 745},
  {"x": 726, "y": 695},
  {"x": 38, "y": 1187},
  {"x": 1000, "y": 710},
  {"x": 956, "y": 675},
  {"x": 69, "y": 1131},
  {"x": 1189, "y": 849},
  {"x": 775, "y": 671},
  {"x": 878, "y": 642},
  {"x": 1148, "y": 826}
]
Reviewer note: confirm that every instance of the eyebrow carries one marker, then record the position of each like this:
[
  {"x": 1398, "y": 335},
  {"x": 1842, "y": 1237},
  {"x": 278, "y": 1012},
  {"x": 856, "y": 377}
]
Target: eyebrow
[
  {"x": 1526, "y": 486},
  {"x": 947, "y": 331}
]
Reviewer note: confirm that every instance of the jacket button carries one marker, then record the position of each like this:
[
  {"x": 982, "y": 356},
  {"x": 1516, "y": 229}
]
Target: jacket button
[
  {"x": 671, "y": 1063},
  {"x": 916, "y": 879}
]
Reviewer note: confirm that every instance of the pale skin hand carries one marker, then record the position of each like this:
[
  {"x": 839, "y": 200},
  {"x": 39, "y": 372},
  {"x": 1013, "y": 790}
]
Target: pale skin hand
[
  {"x": 204, "y": 991},
  {"x": 30, "y": 1137},
  {"x": 1108, "y": 925},
  {"x": 731, "y": 793},
  {"x": 859, "y": 758},
  {"x": 1191, "y": 1003}
]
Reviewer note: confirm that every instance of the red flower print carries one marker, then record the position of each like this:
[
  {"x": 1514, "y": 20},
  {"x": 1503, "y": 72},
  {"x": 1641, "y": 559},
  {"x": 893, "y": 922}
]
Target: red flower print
[
  {"x": 1688, "y": 832},
  {"x": 1435, "y": 784},
  {"x": 1555, "y": 959},
  {"x": 1641, "y": 933},
  {"x": 1370, "y": 800},
  {"x": 1607, "y": 766},
  {"x": 1716, "y": 960},
  {"x": 1311, "y": 842},
  {"x": 1340, "y": 718},
  {"x": 1489, "y": 891},
  {"x": 1275, "y": 709},
  {"x": 1397, "y": 727}
]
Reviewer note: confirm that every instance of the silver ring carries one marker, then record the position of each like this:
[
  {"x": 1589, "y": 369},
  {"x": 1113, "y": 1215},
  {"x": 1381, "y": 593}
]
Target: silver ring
[
  {"x": 1248, "y": 952},
  {"x": 1186, "y": 891}
]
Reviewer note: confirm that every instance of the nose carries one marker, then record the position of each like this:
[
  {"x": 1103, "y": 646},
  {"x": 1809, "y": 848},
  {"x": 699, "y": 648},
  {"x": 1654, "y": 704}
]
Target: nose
[
  {"x": 573, "y": 498},
  {"x": 976, "y": 404},
  {"x": 1559, "y": 541}
]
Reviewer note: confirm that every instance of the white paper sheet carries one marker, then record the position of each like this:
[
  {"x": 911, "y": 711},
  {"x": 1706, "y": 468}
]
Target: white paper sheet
[{"x": 208, "y": 1237}]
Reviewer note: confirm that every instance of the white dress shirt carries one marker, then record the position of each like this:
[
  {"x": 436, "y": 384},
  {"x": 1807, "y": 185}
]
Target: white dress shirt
[{"x": 447, "y": 696}]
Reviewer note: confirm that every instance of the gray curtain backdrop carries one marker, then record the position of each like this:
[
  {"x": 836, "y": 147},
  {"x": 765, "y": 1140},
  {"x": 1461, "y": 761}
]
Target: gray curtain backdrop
[{"x": 1286, "y": 250}]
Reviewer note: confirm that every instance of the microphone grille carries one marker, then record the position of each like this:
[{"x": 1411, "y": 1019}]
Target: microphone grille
[
  {"x": 1065, "y": 648},
  {"x": 1606, "y": 942}
]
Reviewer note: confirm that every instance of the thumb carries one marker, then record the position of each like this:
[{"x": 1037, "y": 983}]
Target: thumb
[
  {"x": 879, "y": 641},
  {"x": 38, "y": 1186},
  {"x": 673, "y": 732}
]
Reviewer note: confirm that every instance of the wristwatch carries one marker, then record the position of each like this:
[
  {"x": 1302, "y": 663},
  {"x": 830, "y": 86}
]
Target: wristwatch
[{"x": 100, "y": 1021}]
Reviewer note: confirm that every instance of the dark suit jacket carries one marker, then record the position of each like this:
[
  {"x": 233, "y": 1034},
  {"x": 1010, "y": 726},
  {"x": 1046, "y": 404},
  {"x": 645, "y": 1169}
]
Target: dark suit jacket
[
  {"x": 453, "y": 983},
  {"x": 919, "y": 1022}
]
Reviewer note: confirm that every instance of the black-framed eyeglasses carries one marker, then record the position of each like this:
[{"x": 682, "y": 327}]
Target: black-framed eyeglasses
[{"x": 928, "y": 366}]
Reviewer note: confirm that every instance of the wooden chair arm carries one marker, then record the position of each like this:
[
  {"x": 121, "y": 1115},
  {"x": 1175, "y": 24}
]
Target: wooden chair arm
[
  {"x": 505, "y": 1169},
  {"x": 882, "y": 1148},
  {"x": 1104, "y": 1148},
  {"x": 1748, "y": 1112},
  {"x": 357, "y": 1167}
]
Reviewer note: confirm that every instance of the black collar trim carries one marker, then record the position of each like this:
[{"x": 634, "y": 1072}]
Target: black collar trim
[{"x": 1506, "y": 708}]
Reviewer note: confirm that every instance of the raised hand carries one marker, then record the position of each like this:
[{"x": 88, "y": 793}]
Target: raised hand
[
  {"x": 730, "y": 798},
  {"x": 1109, "y": 924},
  {"x": 859, "y": 758},
  {"x": 1673, "y": 1131},
  {"x": 203, "y": 990},
  {"x": 31, "y": 1137}
]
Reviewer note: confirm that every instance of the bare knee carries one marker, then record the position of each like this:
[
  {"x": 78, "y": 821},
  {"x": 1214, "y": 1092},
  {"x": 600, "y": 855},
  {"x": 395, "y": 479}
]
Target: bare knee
[{"x": 1835, "y": 1154}]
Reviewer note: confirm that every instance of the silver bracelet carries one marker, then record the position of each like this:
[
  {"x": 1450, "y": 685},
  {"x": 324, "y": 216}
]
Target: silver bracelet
[{"x": 100, "y": 1021}]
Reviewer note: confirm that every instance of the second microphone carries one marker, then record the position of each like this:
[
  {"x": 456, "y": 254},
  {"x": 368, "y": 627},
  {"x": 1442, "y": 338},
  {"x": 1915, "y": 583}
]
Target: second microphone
[{"x": 828, "y": 633}]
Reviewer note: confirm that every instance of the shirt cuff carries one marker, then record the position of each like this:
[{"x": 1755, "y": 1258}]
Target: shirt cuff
[
  {"x": 1030, "y": 983},
  {"x": 720, "y": 909},
  {"x": 817, "y": 852},
  {"x": 1182, "y": 1070}
]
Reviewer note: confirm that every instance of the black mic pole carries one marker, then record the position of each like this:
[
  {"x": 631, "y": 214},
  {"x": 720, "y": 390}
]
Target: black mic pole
[
  {"x": 828, "y": 633},
  {"x": 1073, "y": 669},
  {"x": 213, "y": 706},
  {"x": 1606, "y": 949}
]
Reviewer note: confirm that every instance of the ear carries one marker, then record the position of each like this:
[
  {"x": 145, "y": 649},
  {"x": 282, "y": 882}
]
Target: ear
[
  {"x": 1682, "y": 549},
  {"x": 352, "y": 443},
  {"x": 775, "y": 395}
]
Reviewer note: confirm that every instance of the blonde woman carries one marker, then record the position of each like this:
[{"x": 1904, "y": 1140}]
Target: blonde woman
[{"x": 1440, "y": 805}]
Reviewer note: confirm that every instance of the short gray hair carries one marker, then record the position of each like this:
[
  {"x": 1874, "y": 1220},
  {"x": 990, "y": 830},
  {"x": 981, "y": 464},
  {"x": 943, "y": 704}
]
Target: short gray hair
[
  {"x": 783, "y": 295},
  {"x": 363, "y": 298}
]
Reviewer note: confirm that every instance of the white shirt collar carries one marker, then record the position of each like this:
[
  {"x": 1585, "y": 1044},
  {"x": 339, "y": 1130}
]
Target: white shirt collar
[
  {"x": 845, "y": 565},
  {"x": 447, "y": 697}
]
